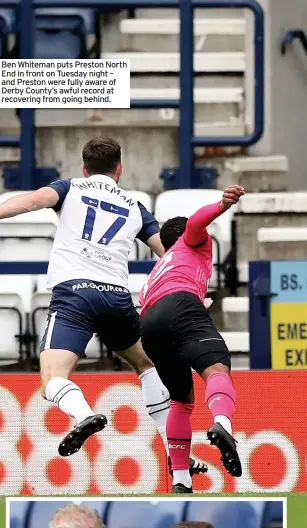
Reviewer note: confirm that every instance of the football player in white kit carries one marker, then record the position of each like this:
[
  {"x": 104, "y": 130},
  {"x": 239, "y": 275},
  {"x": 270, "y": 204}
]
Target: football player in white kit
[{"x": 88, "y": 276}]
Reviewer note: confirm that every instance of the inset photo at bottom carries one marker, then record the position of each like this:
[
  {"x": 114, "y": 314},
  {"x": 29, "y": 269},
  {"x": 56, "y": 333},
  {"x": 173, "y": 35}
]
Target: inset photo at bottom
[{"x": 144, "y": 513}]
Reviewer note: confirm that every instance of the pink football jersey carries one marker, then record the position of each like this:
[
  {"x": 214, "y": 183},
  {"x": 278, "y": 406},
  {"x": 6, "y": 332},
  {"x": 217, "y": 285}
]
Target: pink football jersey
[{"x": 182, "y": 268}]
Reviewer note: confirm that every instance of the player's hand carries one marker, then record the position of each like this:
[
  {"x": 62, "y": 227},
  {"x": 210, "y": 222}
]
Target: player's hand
[
  {"x": 208, "y": 302},
  {"x": 231, "y": 196}
]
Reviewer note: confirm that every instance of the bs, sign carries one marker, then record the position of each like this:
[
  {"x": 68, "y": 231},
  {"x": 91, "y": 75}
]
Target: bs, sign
[{"x": 288, "y": 315}]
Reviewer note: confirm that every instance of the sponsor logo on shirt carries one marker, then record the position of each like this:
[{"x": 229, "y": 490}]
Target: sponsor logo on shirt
[
  {"x": 86, "y": 253},
  {"x": 99, "y": 287},
  {"x": 97, "y": 255}
]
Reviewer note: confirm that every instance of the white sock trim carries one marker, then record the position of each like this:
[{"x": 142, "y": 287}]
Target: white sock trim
[
  {"x": 224, "y": 421},
  {"x": 182, "y": 476},
  {"x": 148, "y": 371},
  {"x": 53, "y": 393},
  {"x": 69, "y": 398}
]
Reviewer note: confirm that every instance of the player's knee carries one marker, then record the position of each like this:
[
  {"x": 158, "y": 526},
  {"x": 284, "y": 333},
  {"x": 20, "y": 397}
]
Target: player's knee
[{"x": 215, "y": 369}]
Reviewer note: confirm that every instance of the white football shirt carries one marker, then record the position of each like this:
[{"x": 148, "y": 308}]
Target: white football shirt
[{"x": 98, "y": 225}]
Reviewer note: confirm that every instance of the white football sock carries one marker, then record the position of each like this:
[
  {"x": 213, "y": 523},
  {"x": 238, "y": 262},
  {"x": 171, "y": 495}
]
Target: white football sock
[
  {"x": 69, "y": 398},
  {"x": 157, "y": 401},
  {"x": 225, "y": 422},
  {"x": 182, "y": 476}
]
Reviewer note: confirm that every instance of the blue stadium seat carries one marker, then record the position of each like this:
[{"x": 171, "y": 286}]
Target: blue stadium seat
[
  {"x": 88, "y": 15},
  {"x": 18, "y": 511},
  {"x": 55, "y": 23},
  {"x": 152, "y": 514},
  {"x": 60, "y": 37},
  {"x": 227, "y": 513},
  {"x": 61, "y": 34},
  {"x": 273, "y": 514},
  {"x": 59, "y": 45}
]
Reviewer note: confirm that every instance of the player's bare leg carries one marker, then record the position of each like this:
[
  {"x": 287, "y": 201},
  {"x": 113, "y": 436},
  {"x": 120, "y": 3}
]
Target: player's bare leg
[
  {"x": 156, "y": 397},
  {"x": 56, "y": 368},
  {"x": 220, "y": 397}
]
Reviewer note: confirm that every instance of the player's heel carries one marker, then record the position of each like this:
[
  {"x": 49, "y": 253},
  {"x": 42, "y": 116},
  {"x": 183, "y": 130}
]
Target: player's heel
[
  {"x": 76, "y": 438},
  {"x": 219, "y": 437}
]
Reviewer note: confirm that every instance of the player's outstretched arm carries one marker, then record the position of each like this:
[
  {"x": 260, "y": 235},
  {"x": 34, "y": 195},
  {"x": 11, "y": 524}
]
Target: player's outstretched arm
[
  {"x": 25, "y": 203},
  {"x": 154, "y": 242},
  {"x": 196, "y": 229}
]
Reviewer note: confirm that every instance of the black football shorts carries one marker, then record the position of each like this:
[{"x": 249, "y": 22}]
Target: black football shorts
[{"x": 178, "y": 335}]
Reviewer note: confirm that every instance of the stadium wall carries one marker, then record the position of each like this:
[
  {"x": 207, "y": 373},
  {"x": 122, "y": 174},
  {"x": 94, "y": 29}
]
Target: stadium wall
[
  {"x": 128, "y": 457},
  {"x": 145, "y": 152},
  {"x": 285, "y": 89}
]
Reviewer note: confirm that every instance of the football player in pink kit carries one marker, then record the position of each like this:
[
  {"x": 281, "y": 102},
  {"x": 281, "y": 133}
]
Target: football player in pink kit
[{"x": 178, "y": 335}]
